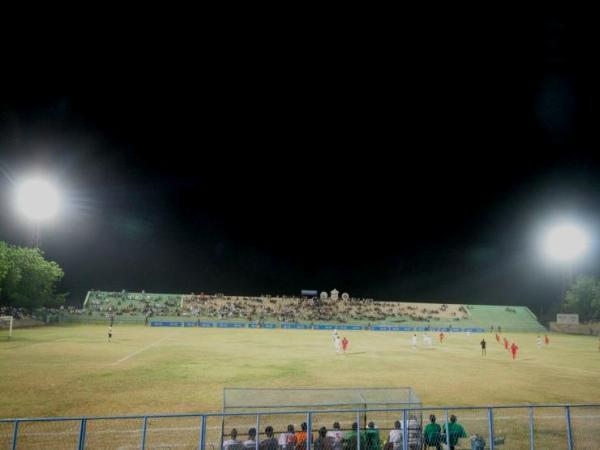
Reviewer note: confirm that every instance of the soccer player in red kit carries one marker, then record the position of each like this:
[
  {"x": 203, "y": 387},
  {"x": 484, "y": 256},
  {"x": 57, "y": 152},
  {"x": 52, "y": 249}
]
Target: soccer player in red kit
[
  {"x": 344, "y": 344},
  {"x": 546, "y": 339},
  {"x": 506, "y": 343},
  {"x": 513, "y": 350},
  {"x": 441, "y": 337}
]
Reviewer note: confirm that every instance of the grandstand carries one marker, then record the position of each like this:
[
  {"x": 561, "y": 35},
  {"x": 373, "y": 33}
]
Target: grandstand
[{"x": 139, "y": 307}]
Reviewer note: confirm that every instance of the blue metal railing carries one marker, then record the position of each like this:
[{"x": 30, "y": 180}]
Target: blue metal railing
[{"x": 15, "y": 434}]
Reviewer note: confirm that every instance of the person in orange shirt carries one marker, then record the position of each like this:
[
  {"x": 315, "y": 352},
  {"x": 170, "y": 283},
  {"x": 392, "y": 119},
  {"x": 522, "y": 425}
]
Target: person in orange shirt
[
  {"x": 497, "y": 338},
  {"x": 345, "y": 344},
  {"x": 301, "y": 437},
  {"x": 546, "y": 339},
  {"x": 441, "y": 337},
  {"x": 505, "y": 344},
  {"x": 513, "y": 350}
]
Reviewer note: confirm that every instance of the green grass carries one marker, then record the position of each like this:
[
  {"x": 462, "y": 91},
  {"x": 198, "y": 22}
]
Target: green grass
[{"x": 73, "y": 370}]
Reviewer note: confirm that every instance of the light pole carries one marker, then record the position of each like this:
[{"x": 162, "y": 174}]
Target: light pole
[{"x": 38, "y": 201}]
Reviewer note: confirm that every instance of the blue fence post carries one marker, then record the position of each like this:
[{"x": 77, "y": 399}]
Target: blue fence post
[
  {"x": 144, "y": 432},
  {"x": 257, "y": 432},
  {"x": 309, "y": 429},
  {"x": 569, "y": 434},
  {"x": 404, "y": 430},
  {"x": 357, "y": 430},
  {"x": 531, "y": 438},
  {"x": 15, "y": 433},
  {"x": 491, "y": 427},
  {"x": 202, "y": 432},
  {"x": 82, "y": 427},
  {"x": 447, "y": 431}
]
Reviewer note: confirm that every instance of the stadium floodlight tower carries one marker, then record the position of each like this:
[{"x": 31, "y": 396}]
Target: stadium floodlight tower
[
  {"x": 564, "y": 243},
  {"x": 37, "y": 200}
]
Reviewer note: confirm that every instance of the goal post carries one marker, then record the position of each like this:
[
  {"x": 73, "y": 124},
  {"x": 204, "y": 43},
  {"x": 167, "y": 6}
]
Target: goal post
[{"x": 6, "y": 326}]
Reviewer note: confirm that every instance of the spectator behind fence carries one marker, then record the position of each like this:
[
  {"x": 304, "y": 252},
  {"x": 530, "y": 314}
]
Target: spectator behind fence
[
  {"x": 413, "y": 433},
  {"x": 455, "y": 431},
  {"x": 337, "y": 436},
  {"x": 270, "y": 443},
  {"x": 395, "y": 437},
  {"x": 433, "y": 434},
  {"x": 233, "y": 443},
  {"x": 287, "y": 441},
  {"x": 251, "y": 441},
  {"x": 301, "y": 437},
  {"x": 351, "y": 438},
  {"x": 324, "y": 442},
  {"x": 372, "y": 437}
]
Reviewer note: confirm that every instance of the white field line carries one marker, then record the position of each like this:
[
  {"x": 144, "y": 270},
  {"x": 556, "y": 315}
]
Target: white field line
[
  {"x": 218, "y": 427},
  {"x": 137, "y": 352}
]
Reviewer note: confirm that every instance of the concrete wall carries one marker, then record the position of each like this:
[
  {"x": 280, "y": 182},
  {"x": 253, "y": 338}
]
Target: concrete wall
[{"x": 592, "y": 329}]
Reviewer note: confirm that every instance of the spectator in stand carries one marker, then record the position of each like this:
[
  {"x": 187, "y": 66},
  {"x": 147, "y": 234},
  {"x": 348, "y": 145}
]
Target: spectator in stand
[
  {"x": 301, "y": 437},
  {"x": 269, "y": 443},
  {"x": 337, "y": 436},
  {"x": 233, "y": 443},
  {"x": 433, "y": 434},
  {"x": 413, "y": 433},
  {"x": 251, "y": 441},
  {"x": 372, "y": 437},
  {"x": 350, "y": 440},
  {"x": 395, "y": 437},
  {"x": 455, "y": 432},
  {"x": 324, "y": 442},
  {"x": 287, "y": 441}
]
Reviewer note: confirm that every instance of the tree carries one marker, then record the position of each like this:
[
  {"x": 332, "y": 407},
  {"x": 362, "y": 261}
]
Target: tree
[
  {"x": 583, "y": 298},
  {"x": 27, "y": 279}
]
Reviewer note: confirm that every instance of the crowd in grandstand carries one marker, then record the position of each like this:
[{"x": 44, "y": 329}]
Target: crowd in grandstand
[
  {"x": 16, "y": 313},
  {"x": 261, "y": 308},
  {"x": 370, "y": 438}
]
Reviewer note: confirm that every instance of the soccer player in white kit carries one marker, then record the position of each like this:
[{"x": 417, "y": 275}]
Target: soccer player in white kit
[
  {"x": 427, "y": 340},
  {"x": 539, "y": 342},
  {"x": 337, "y": 341},
  {"x": 414, "y": 342}
]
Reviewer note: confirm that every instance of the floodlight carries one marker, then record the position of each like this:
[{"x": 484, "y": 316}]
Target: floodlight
[
  {"x": 37, "y": 199},
  {"x": 565, "y": 242}
]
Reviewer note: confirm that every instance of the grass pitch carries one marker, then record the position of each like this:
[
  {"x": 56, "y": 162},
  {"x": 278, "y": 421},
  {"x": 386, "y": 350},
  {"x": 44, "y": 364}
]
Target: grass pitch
[{"x": 73, "y": 370}]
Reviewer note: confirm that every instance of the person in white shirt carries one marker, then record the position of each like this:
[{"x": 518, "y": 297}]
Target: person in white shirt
[
  {"x": 250, "y": 443},
  {"x": 539, "y": 342},
  {"x": 338, "y": 344},
  {"x": 395, "y": 436},
  {"x": 232, "y": 443},
  {"x": 337, "y": 436},
  {"x": 427, "y": 340},
  {"x": 287, "y": 440},
  {"x": 413, "y": 433},
  {"x": 414, "y": 342}
]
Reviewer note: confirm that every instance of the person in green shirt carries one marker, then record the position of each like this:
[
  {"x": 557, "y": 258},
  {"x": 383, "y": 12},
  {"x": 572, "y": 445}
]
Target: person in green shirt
[
  {"x": 433, "y": 434},
  {"x": 350, "y": 440},
  {"x": 455, "y": 431},
  {"x": 372, "y": 438}
]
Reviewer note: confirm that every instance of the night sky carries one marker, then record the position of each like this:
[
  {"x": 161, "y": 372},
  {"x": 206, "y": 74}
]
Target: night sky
[{"x": 418, "y": 167}]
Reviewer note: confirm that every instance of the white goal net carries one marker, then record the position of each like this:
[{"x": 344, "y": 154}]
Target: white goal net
[{"x": 6, "y": 325}]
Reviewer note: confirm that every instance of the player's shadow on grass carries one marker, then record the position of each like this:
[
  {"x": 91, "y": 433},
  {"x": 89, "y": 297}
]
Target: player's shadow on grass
[{"x": 356, "y": 353}]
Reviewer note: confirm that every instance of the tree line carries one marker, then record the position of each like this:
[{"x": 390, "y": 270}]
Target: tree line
[
  {"x": 27, "y": 279},
  {"x": 583, "y": 298}
]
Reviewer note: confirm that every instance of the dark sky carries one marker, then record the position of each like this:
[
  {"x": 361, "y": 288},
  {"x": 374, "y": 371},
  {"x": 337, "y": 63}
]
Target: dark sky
[{"x": 414, "y": 164}]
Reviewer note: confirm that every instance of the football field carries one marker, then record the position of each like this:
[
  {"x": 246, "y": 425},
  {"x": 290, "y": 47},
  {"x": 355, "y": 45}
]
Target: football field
[{"x": 74, "y": 370}]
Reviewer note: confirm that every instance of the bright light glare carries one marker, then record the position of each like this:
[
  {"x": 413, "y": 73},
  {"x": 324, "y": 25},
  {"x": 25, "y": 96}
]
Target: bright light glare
[
  {"x": 37, "y": 199},
  {"x": 565, "y": 242}
]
